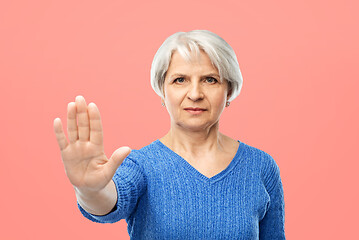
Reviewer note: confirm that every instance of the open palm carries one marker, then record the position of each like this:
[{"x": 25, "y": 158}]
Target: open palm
[{"x": 86, "y": 164}]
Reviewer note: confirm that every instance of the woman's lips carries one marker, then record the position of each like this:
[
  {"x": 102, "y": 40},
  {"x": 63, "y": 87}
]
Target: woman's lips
[{"x": 195, "y": 110}]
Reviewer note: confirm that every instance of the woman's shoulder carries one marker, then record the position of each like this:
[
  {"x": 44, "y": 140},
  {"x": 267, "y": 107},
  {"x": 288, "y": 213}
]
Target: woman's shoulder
[
  {"x": 263, "y": 159},
  {"x": 257, "y": 153},
  {"x": 269, "y": 168},
  {"x": 251, "y": 152},
  {"x": 145, "y": 153}
]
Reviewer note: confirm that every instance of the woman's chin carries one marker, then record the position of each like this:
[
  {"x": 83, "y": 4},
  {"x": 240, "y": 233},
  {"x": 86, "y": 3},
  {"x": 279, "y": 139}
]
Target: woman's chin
[{"x": 195, "y": 126}]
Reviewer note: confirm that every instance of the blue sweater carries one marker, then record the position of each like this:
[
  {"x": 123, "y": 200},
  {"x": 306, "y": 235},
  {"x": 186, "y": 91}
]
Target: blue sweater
[{"x": 162, "y": 196}]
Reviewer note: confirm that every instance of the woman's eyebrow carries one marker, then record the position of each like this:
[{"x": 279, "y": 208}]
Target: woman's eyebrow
[
  {"x": 178, "y": 75},
  {"x": 205, "y": 75},
  {"x": 212, "y": 75}
]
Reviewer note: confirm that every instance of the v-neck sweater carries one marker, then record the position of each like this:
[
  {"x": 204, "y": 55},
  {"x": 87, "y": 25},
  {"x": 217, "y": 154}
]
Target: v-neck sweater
[{"x": 162, "y": 196}]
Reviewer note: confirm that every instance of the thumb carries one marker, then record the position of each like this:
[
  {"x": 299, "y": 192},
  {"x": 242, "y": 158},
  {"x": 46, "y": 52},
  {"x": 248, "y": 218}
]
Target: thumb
[{"x": 117, "y": 158}]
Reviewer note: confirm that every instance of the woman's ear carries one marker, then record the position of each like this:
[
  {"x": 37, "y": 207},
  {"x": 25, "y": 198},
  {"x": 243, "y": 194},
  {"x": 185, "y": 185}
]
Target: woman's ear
[
  {"x": 229, "y": 93},
  {"x": 163, "y": 88}
]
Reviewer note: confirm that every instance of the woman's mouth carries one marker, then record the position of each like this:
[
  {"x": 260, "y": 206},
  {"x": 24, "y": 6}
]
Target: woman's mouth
[{"x": 195, "y": 110}]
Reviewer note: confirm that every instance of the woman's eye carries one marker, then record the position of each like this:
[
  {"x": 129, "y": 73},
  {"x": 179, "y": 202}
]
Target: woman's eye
[
  {"x": 179, "y": 80},
  {"x": 211, "y": 80}
]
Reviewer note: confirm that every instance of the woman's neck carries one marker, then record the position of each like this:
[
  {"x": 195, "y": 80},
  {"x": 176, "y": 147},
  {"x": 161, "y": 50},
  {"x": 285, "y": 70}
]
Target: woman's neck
[{"x": 195, "y": 143}]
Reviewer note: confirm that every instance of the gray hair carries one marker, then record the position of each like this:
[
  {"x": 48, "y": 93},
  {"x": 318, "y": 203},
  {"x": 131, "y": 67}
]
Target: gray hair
[{"x": 218, "y": 50}]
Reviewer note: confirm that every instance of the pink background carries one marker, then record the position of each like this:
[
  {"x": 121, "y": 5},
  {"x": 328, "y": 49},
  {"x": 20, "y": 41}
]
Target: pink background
[{"x": 299, "y": 101}]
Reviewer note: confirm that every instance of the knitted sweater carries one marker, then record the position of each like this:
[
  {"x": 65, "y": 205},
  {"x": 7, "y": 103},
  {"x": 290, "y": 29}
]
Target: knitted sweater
[{"x": 162, "y": 196}]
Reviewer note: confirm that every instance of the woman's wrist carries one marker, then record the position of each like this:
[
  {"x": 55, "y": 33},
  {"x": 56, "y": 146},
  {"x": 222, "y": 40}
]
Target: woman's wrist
[{"x": 98, "y": 202}]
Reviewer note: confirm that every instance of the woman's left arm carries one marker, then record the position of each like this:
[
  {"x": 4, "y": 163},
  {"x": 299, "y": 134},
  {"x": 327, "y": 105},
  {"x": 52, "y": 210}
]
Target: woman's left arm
[{"x": 272, "y": 225}]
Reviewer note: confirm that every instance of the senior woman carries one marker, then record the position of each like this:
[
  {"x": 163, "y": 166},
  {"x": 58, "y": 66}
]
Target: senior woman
[{"x": 194, "y": 182}]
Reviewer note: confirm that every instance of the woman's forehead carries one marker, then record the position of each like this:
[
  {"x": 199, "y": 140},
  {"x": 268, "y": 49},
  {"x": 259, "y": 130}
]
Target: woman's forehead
[{"x": 196, "y": 63}]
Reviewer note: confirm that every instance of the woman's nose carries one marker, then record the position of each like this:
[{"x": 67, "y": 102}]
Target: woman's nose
[{"x": 195, "y": 92}]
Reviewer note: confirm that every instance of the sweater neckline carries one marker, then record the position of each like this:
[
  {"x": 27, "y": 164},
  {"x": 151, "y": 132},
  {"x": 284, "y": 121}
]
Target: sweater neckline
[{"x": 236, "y": 159}]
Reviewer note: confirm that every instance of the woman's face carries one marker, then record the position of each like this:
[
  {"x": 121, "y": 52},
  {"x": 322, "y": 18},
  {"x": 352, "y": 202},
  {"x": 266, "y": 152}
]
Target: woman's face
[{"x": 193, "y": 93}]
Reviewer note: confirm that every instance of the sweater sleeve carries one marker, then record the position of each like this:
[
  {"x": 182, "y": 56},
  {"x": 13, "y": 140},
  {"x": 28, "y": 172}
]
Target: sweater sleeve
[
  {"x": 272, "y": 225},
  {"x": 130, "y": 183}
]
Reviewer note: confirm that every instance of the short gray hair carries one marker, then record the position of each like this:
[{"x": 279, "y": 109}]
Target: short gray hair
[{"x": 218, "y": 50}]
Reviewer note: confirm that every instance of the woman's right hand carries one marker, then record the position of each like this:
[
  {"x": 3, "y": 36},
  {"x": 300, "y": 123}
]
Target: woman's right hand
[{"x": 86, "y": 165}]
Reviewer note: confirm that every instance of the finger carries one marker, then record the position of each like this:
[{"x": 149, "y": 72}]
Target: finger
[
  {"x": 96, "y": 133},
  {"x": 116, "y": 159},
  {"x": 71, "y": 122},
  {"x": 83, "y": 119},
  {"x": 60, "y": 135}
]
